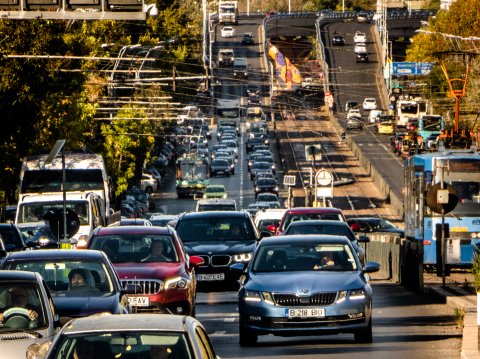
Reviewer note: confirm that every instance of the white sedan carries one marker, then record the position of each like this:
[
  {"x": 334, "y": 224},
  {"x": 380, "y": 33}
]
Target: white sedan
[
  {"x": 354, "y": 113},
  {"x": 369, "y": 103},
  {"x": 228, "y": 31},
  {"x": 360, "y": 37},
  {"x": 360, "y": 48}
]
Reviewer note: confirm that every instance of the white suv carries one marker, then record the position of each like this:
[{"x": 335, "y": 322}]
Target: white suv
[{"x": 148, "y": 183}]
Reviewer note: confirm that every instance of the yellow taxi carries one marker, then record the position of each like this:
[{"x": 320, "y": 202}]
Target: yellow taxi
[{"x": 386, "y": 128}]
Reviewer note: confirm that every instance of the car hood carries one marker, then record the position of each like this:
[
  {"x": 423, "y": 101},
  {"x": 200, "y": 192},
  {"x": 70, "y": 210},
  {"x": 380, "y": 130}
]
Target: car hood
[
  {"x": 219, "y": 247},
  {"x": 15, "y": 344},
  {"x": 304, "y": 282},
  {"x": 159, "y": 271},
  {"x": 82, "y": 305}
]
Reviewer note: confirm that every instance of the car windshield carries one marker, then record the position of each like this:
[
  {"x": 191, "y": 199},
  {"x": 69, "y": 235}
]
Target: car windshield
[
  {"x": 12, "y": 236},
  {"x": 215, "y": 229},
  {"x": 306, "y": 228},
  {"x": 266, "y": 197},
  {"x": 303, "y": 258},
  {"x": 214, "y": 189},
  {"x": 122, "y": 344},
  {"x": 56, "y": 273},
  {"x": 16, "y": 300},
  {"x": 139, "y": 248}
]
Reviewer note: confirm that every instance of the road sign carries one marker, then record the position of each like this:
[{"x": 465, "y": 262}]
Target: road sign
[
  {"x": 324, "y": 178},
  {"x": 289, "y": 180}
]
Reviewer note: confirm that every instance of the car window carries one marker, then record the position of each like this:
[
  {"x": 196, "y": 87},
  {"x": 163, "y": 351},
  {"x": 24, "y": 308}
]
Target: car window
[
  {"x": 16, "y": 300},
  {"x": 121, "y": 344},
  {"x": 206, "y": 346},
  {"x": 135, "y": 247},
  {"x": 303, "y": 257},
  {"x": 214, "y": 229},
  {"x": 309, "y": 216},
  {"x": 10, "y": 235},
  {"x": 56, "y": 274},
  {"x": 321, "y": 229}
]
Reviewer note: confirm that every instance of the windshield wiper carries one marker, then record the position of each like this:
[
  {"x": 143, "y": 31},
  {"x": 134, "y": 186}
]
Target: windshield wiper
[{"x": 30, "y": 332}]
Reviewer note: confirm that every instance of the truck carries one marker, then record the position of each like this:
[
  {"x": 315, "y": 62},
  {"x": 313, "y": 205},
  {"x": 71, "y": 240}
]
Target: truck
[
  {"x": 192, "y": 176},
  {"x": 228, "y": 112},
  {"x": 87, "y": 191},
  {"x": 228, "y": 12}
]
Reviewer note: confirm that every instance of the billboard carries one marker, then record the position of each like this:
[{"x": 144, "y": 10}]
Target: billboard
[{"x": 411, "y": 68}]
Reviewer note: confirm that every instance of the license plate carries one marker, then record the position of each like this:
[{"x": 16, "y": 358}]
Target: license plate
[
  {"x": 305, "y": 313},
  {"x": 210, "y": 277},
  {"x": 139, "y": 301}
]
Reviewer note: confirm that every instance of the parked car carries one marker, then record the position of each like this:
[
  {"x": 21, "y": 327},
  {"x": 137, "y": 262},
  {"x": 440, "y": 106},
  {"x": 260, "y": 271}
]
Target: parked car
[
  {"x": 100, "y": 293},
  {"x": 165, "y": 281},
  {"x": 227, "y": 31},
  {"x": 308, "y": 213},
  {"x": 373, "y": 224},
  {"x": 135, "y": 336},
  {"x": 248, "y": 39},
  {"x": 220, "y": 238},
  {"x": 20, "y": 290},
  {"x": 305, "y": 284}
]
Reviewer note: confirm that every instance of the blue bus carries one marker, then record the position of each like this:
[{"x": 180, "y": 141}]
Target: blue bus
[
  {"x": 457, "y": 169},
  {"x": 430, "y": 125}
]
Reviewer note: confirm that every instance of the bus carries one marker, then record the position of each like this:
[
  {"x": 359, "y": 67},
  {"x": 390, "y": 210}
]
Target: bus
[
  {"x": 407, "y": 110},
  {"x": 459, "y": 170},
  {"x": 430, "y": 125}
]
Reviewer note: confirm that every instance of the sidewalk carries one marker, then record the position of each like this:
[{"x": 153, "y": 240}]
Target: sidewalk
[{"x": 456, "y": 296}]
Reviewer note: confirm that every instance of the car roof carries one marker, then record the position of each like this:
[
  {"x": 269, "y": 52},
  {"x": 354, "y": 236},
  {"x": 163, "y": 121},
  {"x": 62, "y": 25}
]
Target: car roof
[
  {"x": 313, "y": 222},
  {"x": 214, "y": 214},
  {"x": 160, "y": 322},
  {"x": 6, "y": 275},
  {"x": 117, "y": 230},
  {"x": 67, "y": 254},
  {"x": 314, "y": 210},
  {"x": 304, "y": 239}
]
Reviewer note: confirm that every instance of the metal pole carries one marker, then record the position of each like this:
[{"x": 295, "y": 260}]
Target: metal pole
[
  {"x": 444, "y": 251},
  {"x": 64, "y": 180}
]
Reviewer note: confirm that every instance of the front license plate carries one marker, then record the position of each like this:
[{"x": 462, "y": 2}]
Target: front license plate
[
  {"x": 305, "y": 313},
  {"x": 139, "y": 301},
  {"x": 210, "y": 277}
]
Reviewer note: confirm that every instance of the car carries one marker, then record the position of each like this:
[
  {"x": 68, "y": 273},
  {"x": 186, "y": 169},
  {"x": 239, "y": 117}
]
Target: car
[
  {"x": 162, "y": 219},
  {"x": 12, "y": 237},
  {"x": 261, "y": 157},
  {"x": 135, "y": 336},
  {"x": 253, "y": 89},
  {"x": 374, "y": 116},
  {"x": 338, "y": 40},
  {"x": 268, "y": 197},
  {"x": 308, "y": 213},
  {"x": 101, "y": 293},
  {"x": 216, "y": 205},
  {"x": 240, "y": 68},
  {"x": 248, "y": 39},
  {"x": 225, "y": 57},
  {"x": 361, "y": 57},
  {"x": 268, "y": 217},
  {"x": 8, "y": 213},
  {"x": 266, "y": 186},
  {"x": 369, "y": 103},
  {"x": 135, "y": 222},
  {"x": 254, "y": 99},
  {"x": 351, "y": 104},
  {"x": 18, "y": 331},
  {"x": 354, "y": 123},
  {"x": 354, "y": 113},
  {"x": 165, "y": 283},
  {"x": 327, "y": 227},
  {"x": 148, "y": 183},
  {"x": 360, "y": 47},
  {"x": 305, "y": 285},
  {"x": 227, "y": 31},
  {"x": 210, "y": 235},
  {"x": 363, "y": 17},
  {"x": 215, "y": 191},
  {"x": 259, "y": 166},
  {"x": 359, "y": 36},
  {"x": 220, "y": 167},
  {"x": 374, "y": 224},
  {"x": 254, "y": 207},
  {"x": 386, "y": 128}
]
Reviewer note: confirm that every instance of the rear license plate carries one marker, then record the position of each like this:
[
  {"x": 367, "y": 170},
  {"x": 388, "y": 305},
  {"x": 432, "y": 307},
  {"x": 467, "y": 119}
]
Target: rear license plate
[
  {"x": 139, "y": 301},
  {"x": 305, "y": 313},
  {"x": 210, "y": 277}
]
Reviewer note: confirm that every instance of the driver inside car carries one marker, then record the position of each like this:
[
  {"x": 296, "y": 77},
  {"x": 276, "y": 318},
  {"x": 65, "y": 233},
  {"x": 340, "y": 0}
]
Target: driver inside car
[{"x": 20, "y": 304}]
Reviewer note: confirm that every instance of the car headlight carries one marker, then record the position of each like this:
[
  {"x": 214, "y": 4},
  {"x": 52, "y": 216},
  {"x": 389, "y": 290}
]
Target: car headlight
[
  {"x": 357, "y": 294},
  {"x": 257, "y": 189},
  {"x": 82, "y": 241},
  {"x": 242, "y": 257},
  {"x": 43, "y": 240},
  {"x": 268, "y": 298},
  {"x": 276, "y": 189},
  {"x": 342, "y": 295},
  {"x": 252, "y": 296},
  {"x": 224, "y": 196},
  {"x": 177, "y": 282}
]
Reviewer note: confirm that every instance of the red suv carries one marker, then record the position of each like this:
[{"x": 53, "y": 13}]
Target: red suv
[
  {"x": 153, "y": 258},
  {"x": 307, "y": 213}
]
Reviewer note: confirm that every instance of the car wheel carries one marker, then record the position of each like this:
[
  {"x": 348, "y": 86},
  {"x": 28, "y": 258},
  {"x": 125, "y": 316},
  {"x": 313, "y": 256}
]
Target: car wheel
[
  {"x": 247, "y": 338},
  {"x": 365, "y": 335}
]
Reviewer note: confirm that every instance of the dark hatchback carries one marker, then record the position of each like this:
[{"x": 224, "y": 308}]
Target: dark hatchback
[
  {"x": 338, "y": 40},
  {"x": 220, "y": 167},
  {"x": 221, "y": 238},
  {"x": 102, "y": 292},
  {"x": 266, "y": 185}
]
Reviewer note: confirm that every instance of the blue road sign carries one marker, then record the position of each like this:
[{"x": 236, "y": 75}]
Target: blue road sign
[{"x": 411, "y": 68}]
